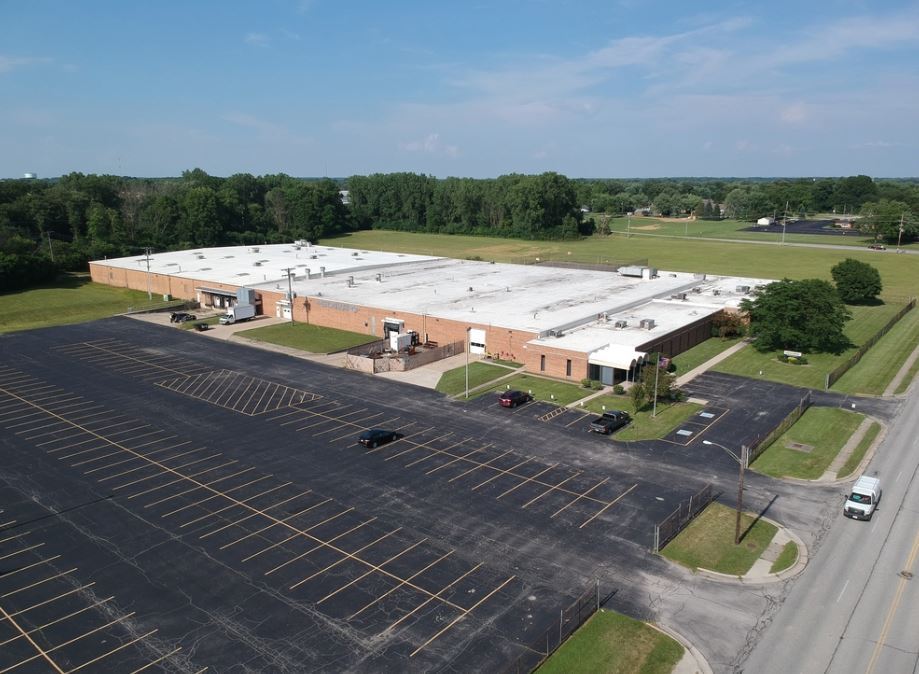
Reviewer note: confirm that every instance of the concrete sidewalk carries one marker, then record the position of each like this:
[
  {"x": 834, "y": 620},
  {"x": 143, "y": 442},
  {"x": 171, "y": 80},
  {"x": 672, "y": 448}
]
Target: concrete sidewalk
[{"x": 710, "y": 363}]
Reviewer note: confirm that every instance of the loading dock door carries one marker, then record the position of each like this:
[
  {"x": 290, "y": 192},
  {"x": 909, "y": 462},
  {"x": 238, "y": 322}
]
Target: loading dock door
[
  {"x": 476, "y": 340},
  {"x": 392, "y": 325}
]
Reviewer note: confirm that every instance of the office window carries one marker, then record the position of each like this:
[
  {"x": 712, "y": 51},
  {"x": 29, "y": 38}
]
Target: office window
[
  {"x": 542, "y": 363},
  {"x": 568, "y": 368}
]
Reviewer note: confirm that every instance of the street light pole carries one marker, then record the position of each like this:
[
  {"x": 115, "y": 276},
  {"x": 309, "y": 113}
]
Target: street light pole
[
  {"x": 290, "y": 293},
  {"x": 467, "y": 361},
  {"x": 657, "y": 371},
  {"x": 742, "y": 460}
]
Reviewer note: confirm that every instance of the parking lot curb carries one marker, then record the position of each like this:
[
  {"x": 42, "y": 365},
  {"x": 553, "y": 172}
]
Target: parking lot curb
[{"x": 698, "y": 666}]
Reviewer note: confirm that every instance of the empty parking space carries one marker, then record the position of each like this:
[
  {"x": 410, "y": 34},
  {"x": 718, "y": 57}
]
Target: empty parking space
[
  {"x": 237, "y": 391},
  {"x": 695, "y": 425},
  {"x": 57, "y": 617},
  {"x": 145, "y": 363},
  {"x": 352, "y": 566}
]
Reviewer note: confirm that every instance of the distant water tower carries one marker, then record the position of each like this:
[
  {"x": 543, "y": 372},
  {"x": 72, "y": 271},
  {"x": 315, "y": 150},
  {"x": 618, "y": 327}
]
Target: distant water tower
[{"x": 30, "y": 176}]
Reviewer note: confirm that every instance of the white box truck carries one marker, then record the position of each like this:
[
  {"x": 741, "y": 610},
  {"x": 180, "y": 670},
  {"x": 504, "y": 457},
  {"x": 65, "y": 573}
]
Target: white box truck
[
  {"x": 238, "y": 313},
  {"x": 863, "y": 499}
]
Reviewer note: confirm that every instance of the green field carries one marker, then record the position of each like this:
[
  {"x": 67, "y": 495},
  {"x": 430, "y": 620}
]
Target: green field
[
  {"x": 311, "y": 338},
  {"x": 700, "y": 353},
  {"x": 453, "y": 382},
  {"x": 73, "y": 299},
  {"x": 611, "y": 643},
  {"x": 898, "y": 272},
  {"x": 708, "y": 541},
  {"x": 866, "y": 321},
  {"x": 558, "y": 392},
  {"x": 725, "y": 229},
  {"x": 825, "y": 429},
  {"x": 879, "y": 366}
]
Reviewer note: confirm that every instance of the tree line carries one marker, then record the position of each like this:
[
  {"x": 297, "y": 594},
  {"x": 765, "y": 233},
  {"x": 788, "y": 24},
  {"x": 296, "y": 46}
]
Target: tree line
[{"x": 52, "y": 225}]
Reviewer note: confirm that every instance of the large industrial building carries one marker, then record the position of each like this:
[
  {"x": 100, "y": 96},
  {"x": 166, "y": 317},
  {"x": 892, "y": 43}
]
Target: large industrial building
[{"x": 569, "y": 323}]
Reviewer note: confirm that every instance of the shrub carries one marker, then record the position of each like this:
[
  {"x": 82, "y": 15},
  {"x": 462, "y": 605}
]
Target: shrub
[
  {"x": 618, "y": 389},
  {"x": 596, "y": 386},
  {"x": 585, "y": 383}
]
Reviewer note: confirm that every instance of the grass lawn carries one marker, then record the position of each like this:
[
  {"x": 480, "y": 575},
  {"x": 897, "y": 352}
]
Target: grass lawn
[
  {"x": 312, "y": 338},
  {"x": 880, "y": 365},
  {"x": 453, "y": 382},
  {"x": 506, "y": 363},
  {"x": 898, "y": 272},
  {"x": 702, "y": 352},
  {"x": 643, "y": 426},
  {"x": 858, "y": 454},
  {"x": 786, "y": 558},
  {"x": 749, "y": 362},
  {"x": 542, "y": 389},
  {"x": 611, "y": 643},
  {"x": 908, "y": 379},
  {"x": 826, "y": 429},
  {"x": 72, "y": 299},
  {"x": 708, "y": 542}
]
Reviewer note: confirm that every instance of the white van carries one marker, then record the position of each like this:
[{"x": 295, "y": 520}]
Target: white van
[{"x": 863, "y": 499}]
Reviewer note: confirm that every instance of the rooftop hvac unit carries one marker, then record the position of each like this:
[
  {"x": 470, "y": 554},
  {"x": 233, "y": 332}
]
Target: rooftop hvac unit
[
  {"x": 556, "y": 333},
  {"x": 322, "y": 272},
  {"x": 716, "y": 292},
  {"x": 314, "y": 257},
  {"x": 631, "y": 270},
  {"x": 743, "y": 289},
  {"x": 621, "y": 324},
  {"x": 253, "y": 250},
  {"x": 678, "y": 296},
  {"x": 697, "y": 289},
  {"x": 647, "y": 323},
  {"x": 354, "y": 254},
  {"x": 257, "y": 263},
  {"x": 379, "y": 278},
  {"x": 350, "y": 281},
  {"x": 200, "y": 256}
]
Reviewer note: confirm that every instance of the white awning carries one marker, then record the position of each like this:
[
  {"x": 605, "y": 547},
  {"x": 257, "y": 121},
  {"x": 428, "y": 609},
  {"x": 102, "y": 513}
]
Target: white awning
[{"x": 618, "y": 356}]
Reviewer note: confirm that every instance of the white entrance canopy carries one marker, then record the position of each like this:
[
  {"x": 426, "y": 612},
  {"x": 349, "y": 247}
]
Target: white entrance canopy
[{"x": 618, "y": 356}]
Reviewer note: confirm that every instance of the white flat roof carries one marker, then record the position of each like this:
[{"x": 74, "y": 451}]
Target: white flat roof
[
  {"x": 533, "y": 298},
  {"x": 252, "y": 265}
]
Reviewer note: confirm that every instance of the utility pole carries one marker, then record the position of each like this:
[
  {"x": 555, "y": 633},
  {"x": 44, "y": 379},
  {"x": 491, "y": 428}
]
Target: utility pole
[
  {"x": 784, "y": 222},
  {"x": 290, "y": 292},
  {"x": 147, "y": 255},
  {"x": 743, "y": 460},
  {"x": 657, "y": 371},
  {"x": 628, "y": 226},
  {"x": 899, "y": 234},
  {"x": 468, "y": 344}
]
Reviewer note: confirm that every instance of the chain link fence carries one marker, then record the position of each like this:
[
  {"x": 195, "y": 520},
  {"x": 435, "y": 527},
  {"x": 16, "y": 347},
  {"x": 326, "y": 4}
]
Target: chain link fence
[
  {"x": 569, "y": 620},
  {"x": 833, "y": 377},
  {"x": 666, "y": 530},
  {"x": 760, "y": 444}
]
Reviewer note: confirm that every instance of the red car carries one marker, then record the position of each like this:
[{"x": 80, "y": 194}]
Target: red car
[{"x": 514, "y": 398}]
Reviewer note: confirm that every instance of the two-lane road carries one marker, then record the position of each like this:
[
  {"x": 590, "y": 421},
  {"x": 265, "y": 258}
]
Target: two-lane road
[{"x": 856, "y": 607}]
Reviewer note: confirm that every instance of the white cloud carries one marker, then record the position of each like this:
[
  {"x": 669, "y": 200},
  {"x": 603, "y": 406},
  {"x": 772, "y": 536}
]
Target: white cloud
[
  {"x": 268, "y": 131},
  {"x": 257, "y": 39},
  {"x": 795, "y": 113},
  {"x": 430, "y": 144},
  {"x": 10, "y": 63}
]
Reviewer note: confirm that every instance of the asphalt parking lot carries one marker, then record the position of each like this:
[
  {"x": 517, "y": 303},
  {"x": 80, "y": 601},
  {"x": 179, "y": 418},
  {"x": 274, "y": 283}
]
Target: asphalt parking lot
[{"x": 217, "y": 500}]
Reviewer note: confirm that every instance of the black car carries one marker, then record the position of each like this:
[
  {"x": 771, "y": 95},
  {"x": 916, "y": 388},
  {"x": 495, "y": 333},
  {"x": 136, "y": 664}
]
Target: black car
[
  {"x": 376, "y": 437},
  {"x": 609, "y": 422},
  {"x": 514, "y": 398},
  {"x": 178, "y": 316},
  {"x": 184, "y": 318}
]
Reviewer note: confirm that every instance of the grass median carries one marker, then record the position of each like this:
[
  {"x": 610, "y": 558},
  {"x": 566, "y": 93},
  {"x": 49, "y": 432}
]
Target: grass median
[
  {"x": 643, "y": 426},
  {"x": 702, "y": 352},
  {"x": 311, "y": 338},
  {"x": 453, "y": 382},
  {"x": 708, "y": 541},
  {"x": 611, "y": 643},
  {"x": 855, "y": 458},
  {"x": 549, "y": 390},
  {"x": 808, "y": 448}
]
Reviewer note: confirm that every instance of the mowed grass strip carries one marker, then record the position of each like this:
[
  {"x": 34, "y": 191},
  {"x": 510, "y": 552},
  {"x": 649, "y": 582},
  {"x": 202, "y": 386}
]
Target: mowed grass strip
[
  {"x": 72, "y": 299},
  {"x": 708, "y": 541},
  {"x": 898, "y": 272},
  {"x": 855, "y": 458},
  {"x": 786, "y": 558},
  {"x": 866, "y": 321},
  {"x": 453, "y": 382},
  {"x": 880, "y": 364},
  {"x": 644, "y": 426},
  {"x": 549, "y": 390},
  {"x": 825, "y": 429},
  {"x": 611, "y": 643},
  {"x": 702, "y": 352},
  {"x": 311, "y": 338}
]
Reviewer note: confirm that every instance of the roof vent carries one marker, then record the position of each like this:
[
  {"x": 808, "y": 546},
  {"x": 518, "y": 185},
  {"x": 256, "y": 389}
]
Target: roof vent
[
  {"x": 556, "y": 333},
  {"x": 257, "y": 263},
  {"x": 200, "y": 256},
  {"x": 253, "y": 250},
  {"x": 313, "y": 257},
  {"x": 743, "y": 289},
  {"x": 678, "y": 296},
  {"x": 470, "y": 288},
  {"x": 379, "y": 278},
  {"x": 354, "y": 254},
  {"x": 697, "y": 289},
  {"x": 621, "y": 324},
  {"x": 647, "y": 323},
  {"x": 350, "y": 281},
  {"x": 716, "y": 292}
]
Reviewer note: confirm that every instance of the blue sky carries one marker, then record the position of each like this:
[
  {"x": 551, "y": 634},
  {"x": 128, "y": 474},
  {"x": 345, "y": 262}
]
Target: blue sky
[{"x": 627, "y": 88}]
